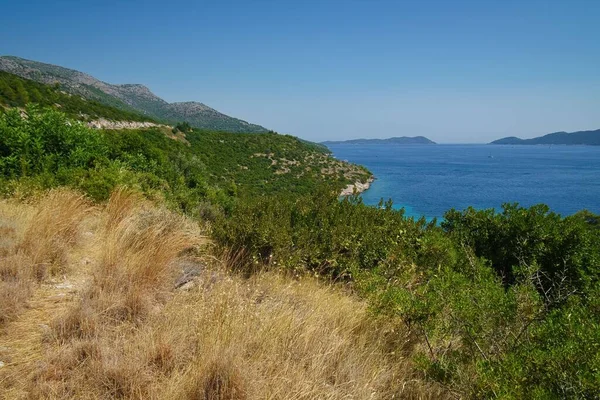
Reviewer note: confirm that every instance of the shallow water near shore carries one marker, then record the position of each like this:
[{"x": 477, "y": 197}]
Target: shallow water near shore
[{"x": 428, "y": 180}]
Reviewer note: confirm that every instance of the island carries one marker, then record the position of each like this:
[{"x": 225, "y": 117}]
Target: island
[
  {"x": 591, "y": 138},
  {"x": 392, "y": 140}
]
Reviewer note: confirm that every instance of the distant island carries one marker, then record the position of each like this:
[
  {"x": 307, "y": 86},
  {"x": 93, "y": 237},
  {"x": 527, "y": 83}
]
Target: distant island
[
  {"x": 392, "y": 140},
  {"x": 591, "y": 138}
]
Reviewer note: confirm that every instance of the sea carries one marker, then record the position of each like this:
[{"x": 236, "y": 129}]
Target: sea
[{"x": 428, "y": 180}]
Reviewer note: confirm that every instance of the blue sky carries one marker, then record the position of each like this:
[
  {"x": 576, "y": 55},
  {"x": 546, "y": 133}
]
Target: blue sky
[{"x": 454, "y": 71}]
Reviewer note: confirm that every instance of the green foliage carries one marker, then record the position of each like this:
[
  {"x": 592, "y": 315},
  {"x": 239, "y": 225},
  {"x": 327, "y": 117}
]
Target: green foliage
[
  {"x": 183, "y": 127},
  {"x": 47, "y": 149},
  {"x": 46, "y": 143},
  {"x": 319, "y": 233},
  {"x": 268, "y": 163},
  {"x": 560, "y": 357},
  {"x": 564, "y": 251}
]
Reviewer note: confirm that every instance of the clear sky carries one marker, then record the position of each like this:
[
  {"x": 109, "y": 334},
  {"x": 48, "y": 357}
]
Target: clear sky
[{"x": 454, "y": 71}]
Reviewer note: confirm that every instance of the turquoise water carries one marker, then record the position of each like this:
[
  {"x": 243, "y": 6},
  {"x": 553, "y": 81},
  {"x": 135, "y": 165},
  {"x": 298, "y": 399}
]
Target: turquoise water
[{"x": 430, "y": 179}]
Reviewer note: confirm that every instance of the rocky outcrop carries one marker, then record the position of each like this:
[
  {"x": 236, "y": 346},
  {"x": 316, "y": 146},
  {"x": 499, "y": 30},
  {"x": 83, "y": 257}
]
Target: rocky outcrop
[
  {"x": 108, "y": 124},
  {"x": 358, "y": 186}
]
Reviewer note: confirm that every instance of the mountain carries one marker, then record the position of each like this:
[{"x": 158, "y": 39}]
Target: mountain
[
  {"x": 591, "y": 138},
  {"x": 127, "y": 97},
  {"x": 16, "y": 91},
  {"x": 392, "y": 140}
]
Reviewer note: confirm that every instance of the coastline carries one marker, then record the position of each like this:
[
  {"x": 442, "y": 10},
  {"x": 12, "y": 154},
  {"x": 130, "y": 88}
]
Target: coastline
[{"x": 358, "y": 186}]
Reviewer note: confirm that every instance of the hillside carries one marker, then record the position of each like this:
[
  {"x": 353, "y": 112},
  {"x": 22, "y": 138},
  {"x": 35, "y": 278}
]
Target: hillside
[
  {"x": 16, "y": 91},
  {"x": 142, "y": 263},
  {"x": 591, "y": 138},
  {"x": 128, "y": 297},
  {"x": 128, "y": 97},
  {"x": 189, "y": 170},
  {"x": 188, "y": 166},
  {"x": 392, "y": 140}
]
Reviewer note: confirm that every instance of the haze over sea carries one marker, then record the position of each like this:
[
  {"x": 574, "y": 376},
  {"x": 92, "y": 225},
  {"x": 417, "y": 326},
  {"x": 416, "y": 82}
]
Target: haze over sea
[{"x": 428, "y": 180}]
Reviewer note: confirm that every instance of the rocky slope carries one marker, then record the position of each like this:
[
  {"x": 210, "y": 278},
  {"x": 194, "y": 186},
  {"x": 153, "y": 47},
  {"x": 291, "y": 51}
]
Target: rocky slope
[{"x": 130, "y": 97}]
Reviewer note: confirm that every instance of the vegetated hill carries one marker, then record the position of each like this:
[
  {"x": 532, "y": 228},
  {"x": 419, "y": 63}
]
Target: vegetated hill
[
  {"x": 591, "y": 138},
  {"x": 130, "y": 97},
  {"x": 210, "y": 161},
  {"x": 188, "y": 169},
  {"x": 392, "y": 140},
  {"x": 262, "y": 164},
  {"x": 16, "y": 91}
]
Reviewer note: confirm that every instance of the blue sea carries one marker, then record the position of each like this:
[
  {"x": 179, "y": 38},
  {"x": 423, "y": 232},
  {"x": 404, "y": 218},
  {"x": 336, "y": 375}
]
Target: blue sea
[{"x": 428, "y": 180}]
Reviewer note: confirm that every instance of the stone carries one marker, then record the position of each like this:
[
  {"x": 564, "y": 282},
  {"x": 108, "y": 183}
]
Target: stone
[{"x": 190, "y": 271}]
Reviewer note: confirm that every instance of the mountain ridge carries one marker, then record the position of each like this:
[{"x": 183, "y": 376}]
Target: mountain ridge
[
  {"x": 590, "y": 138},
  {"x": 128, "y": 96}
]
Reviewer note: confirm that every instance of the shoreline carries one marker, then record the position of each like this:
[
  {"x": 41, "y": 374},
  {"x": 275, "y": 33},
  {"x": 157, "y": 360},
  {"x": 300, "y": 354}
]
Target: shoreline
[{"x": 358, "y": 185}]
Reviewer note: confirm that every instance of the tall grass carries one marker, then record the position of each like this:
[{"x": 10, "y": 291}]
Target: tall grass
[
  {"x": 235, "y": 338},
  {"x": 35, "y": 240},
  {"x": 136, "y": 249}
]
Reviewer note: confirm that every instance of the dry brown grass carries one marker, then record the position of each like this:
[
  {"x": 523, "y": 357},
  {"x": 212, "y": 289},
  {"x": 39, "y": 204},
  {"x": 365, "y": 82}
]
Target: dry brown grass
[
  {"x": 34, "y": 242},
  {"x": 130, "y": 334},
  {"x": 53, "y": 230},
  {"x": 137, "y": 245},
  {"x": 234, "y": 338},
  {"x": 272, "y": 337}
]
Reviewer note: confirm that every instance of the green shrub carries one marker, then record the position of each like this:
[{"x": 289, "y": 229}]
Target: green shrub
[{"x": 565, "y": 251}]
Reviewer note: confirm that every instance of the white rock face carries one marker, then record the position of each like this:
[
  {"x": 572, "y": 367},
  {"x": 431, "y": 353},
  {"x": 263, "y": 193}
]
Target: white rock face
[
  {"x": 359, "y": 186},
  {"x": 107, "y": 124}
]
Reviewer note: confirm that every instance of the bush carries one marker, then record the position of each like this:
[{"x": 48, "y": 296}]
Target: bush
[
  {"x": 45, "y": 142},
  {"x": 564, "y": 251}
]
